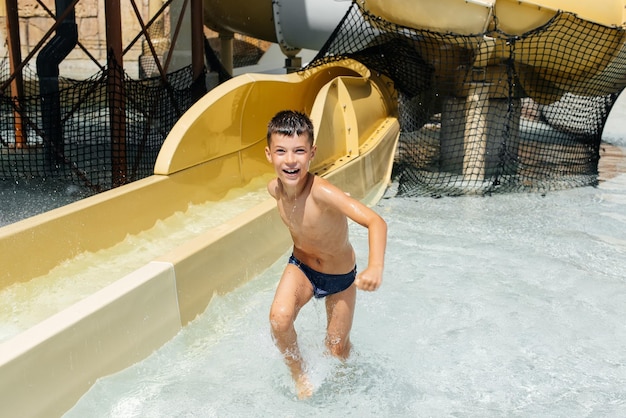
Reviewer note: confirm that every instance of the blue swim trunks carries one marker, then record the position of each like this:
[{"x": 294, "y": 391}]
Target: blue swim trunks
[{"x": 325, "y": 284}]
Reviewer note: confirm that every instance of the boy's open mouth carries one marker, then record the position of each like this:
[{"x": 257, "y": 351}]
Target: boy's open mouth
[{"x": 292, "y": 172}]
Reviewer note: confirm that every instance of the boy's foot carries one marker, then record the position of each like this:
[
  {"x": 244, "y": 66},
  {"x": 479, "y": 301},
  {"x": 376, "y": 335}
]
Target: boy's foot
[{"x": 304, "y": 388}]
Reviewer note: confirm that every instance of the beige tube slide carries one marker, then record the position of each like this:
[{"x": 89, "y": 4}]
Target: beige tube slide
[{"x": 308, "y": 23}]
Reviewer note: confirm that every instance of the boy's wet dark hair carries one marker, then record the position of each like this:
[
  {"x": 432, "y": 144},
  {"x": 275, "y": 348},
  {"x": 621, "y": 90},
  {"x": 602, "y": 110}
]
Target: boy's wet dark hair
[{"x": 288, "y": 123}]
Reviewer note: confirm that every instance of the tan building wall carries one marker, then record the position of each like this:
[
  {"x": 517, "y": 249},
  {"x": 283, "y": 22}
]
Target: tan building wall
[{"x": 90, "y": 18}]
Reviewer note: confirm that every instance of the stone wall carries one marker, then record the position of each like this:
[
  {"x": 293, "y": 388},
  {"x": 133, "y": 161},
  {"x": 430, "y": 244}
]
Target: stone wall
[{"x": 90, "y": 18}]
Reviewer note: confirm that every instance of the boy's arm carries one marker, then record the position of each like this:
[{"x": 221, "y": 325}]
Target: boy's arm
[{"x": 370, "y": 278}]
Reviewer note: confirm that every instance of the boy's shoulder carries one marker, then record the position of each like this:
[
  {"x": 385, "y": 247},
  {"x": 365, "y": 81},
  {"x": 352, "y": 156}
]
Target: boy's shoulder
[
  {"x": 319, "y": 182},
  {"x": 272, "y": 187},
  {"x": 317, "y": 185},
  {"x": 324, "y": 190}
]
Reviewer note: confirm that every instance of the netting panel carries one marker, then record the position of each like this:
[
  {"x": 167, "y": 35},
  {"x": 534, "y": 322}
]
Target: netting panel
[
  {"x": 492, "y": 112},
  {"x": 71, "y": 135},
  {"x": 82, "y": 148}
]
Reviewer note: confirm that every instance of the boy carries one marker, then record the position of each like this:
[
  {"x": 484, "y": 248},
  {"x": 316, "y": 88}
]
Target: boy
[{"x": 323, "y": 261}]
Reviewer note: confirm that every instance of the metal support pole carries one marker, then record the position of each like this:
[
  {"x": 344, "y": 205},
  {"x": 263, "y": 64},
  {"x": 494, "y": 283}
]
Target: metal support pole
[
  {"x": 115, "y": 92},
  {"x": 48, "y": 61},
  {"x": 15, "y": 61},
  {"x": 197, "y": 49},
  {"x": 197, "y": 39}
]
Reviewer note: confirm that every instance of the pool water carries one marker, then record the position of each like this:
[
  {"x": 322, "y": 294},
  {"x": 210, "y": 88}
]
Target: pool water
[{"x": 509, "y": 305}]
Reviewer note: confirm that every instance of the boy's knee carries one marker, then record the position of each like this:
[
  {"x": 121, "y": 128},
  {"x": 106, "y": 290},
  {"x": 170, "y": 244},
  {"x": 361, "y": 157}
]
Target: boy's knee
[
  {"x": 281, "y": 318},
  {"x": 338, "y": 347}
]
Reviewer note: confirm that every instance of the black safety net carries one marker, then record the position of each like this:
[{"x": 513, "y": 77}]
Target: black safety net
[
  {"x": 70, "y": 133},
  {"x": 492, "y": 112}
]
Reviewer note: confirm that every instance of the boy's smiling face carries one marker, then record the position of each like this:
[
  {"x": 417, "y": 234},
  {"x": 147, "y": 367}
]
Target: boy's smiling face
[{"x": 291, "y": 157}]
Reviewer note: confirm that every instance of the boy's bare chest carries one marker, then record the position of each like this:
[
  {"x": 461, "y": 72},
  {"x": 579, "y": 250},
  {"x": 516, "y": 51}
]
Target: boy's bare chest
[
  {"x": 299, "y": 218},
  {"x": 312, "y": 226}
]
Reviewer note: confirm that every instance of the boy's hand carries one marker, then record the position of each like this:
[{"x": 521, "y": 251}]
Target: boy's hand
[{"x": 369, "y": 279}]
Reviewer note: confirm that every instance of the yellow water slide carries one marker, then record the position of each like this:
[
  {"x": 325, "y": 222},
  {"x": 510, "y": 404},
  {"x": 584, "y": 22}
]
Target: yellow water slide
[
  {"x": 514, "y": 17},
  {"x": 215, "y": 150},
  {"x": 499, "y": 20}
]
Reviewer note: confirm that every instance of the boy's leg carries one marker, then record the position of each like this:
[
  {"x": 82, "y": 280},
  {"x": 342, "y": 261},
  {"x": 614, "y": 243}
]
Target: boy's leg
[
  {"x": 340, "y": 312},
  {"x": 294, "y": 291}
]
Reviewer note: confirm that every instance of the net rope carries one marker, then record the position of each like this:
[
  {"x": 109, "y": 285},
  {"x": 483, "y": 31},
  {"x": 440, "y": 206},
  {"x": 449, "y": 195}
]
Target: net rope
[
  {"x": 84, "y": 152},
  {"x": 492, "y": 112}
]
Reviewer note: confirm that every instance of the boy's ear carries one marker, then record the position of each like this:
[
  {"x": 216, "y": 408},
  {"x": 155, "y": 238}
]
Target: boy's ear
[
  {"x": 313, "y": 151},
  {"x": 268, "y": 154}
]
